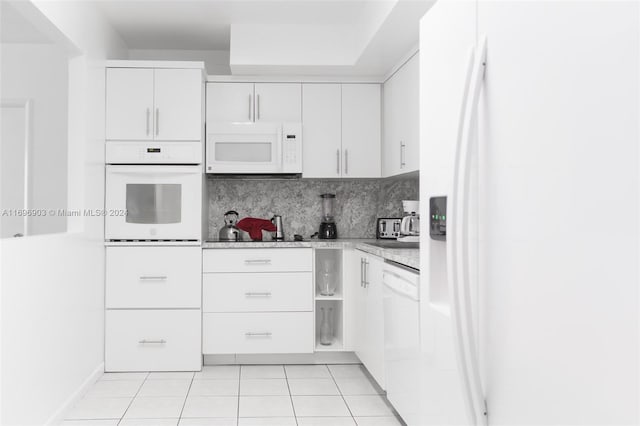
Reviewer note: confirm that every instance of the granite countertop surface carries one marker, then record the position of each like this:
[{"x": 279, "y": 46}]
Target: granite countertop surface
[{"x": 408, "y": 257}]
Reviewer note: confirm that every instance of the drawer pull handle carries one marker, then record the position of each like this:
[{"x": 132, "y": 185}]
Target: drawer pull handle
[
  {"x": 252, "y": 294},
  {"x": 153, "y": 277},
  {"x": 258, "y": 261},
  {"x": 252, "y": 334},
  {"x": 145, "y": 341}
]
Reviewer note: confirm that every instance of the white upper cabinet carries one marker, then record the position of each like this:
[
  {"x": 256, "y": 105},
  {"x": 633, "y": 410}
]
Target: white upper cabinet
[
  {"x": 249, "y": 102},
  {"x": 361, "y": 130},
  {"x": 129, "y": 103},
  {"x": 341, "y": 130},
  {"x": 178, "y": 104},
  {"x": 154, "y": 104},
  {"x": 278, "y": 102},
  {"x": 229, "y": 102},
  {"x": 321, "y": 130},
  {"x": 400, "y": 146}
]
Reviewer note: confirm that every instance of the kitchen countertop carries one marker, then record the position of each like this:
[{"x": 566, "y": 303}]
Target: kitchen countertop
[{"x": 408, "y": 257}]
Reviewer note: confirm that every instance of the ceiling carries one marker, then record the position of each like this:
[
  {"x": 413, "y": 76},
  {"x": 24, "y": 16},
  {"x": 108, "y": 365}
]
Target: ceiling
[
  {"x": 16, "y": 28},
  {"x": 376, "y": 32},
  {"x": 205, "y": 24}
]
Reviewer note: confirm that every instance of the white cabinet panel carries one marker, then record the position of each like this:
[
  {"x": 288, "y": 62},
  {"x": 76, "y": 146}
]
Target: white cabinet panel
[
  {"x": 178, "y": 104},
  {"x": 391, "y": 147},
  {"x": 129, "y": 103},
  {"x": 278, "y": 102},
  {"x": 153, "y": 340},
  {"x": 258, "y": 260},
  {"x": 401, "y": 120},
  {"x": 361, "y": 130},
  {"x": 321, "y": 130},
  {"x": 411, "y": 137},
  {"x": 229, "y": 102},
  {"x": 257, "y": 292},
  {"x": 153, "y": 277},
  {"x": 341, "y": 130},
  {"x": 366, "y": 306},
  {"x": 256, "y": 333}
]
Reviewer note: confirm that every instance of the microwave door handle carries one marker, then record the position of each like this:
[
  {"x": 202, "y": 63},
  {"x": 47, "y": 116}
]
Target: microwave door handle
[
  {"x": 257, "y": 107},
  {"x": 279, "y": 147},
  {"x": 346, "y": 161}
]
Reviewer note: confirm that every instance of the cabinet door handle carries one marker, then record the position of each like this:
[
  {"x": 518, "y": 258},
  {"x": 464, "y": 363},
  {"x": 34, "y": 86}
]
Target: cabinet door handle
[
  {"x": 258, "y": 294},
  {"x": 338, "y": 162},
  {"x": 257, "y": 107},
  {"x": 257, "y": 334},
  {"x": 366, "y": 273},
  {"x": 346, "y": 162},
  {"x": 257, "y": 261},
  {"x": 153, "y": 278},
  {"x": 148, "y": 117},
  {"x": 402, "y": 155},
  {"x": 152, "y": 342},
  {"x": 250, "y": 106},
  {"x": 157, "y": 121},
  {"x": 361, "y": 272}
]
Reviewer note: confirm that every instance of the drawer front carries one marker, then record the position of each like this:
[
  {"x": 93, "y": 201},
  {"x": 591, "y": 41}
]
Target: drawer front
[
  {"x": 258, "y": 333},
  {"x": 257, "y": 292},
  {"x": 257, "y": 260},
  {"x": 153, "y": 340},
  {"x": 153, "y": 277}
]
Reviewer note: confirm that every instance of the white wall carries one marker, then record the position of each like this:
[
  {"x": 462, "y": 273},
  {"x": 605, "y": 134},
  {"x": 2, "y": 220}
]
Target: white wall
[
  {"x": 23, "y": 78},
  {"x": 53, "y": 285},
  {"x": 216, "y": 61}
]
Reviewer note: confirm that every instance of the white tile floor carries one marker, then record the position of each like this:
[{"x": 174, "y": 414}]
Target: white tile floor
[{"x": 253, "y": 395}]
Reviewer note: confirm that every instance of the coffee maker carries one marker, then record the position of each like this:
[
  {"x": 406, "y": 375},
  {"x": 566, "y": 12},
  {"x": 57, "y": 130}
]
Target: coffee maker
[
  {"x": 410, "y": 225},
  {"x": 328, "y": 229}
]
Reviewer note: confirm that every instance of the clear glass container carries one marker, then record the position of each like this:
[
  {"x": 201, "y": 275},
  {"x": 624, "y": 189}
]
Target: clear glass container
[
  {"x": 326, "y": 276},
  {"x": 328, "y": 207},
  {"x": 326, "y": 330}
]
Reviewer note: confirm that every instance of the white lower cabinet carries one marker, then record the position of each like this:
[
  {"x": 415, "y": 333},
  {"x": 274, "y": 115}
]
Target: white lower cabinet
[
  {"x": 257, "y": 301},
  {"x": 257, "y": 292},
  {"x": 153, "y": 317},
  {"x": 258, "y": 333},
  {"x": 237, "y": 260},
  {"x": 153, "y": 277},
  {"x": 153, "y": 340},
  {"x": 366, "y": 312}
]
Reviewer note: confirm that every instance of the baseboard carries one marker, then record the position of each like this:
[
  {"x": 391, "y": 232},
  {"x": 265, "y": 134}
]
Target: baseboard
[
  {"x": 313, "y": 358},
  {"x": 58, "y": 416}
]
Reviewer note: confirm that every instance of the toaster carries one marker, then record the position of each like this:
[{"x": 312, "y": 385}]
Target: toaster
[{"x": 388, "y": 228}]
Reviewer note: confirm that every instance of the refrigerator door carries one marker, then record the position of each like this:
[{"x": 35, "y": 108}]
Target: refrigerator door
[
  {"x": 559, "y": 202},
  {"x": 447, "y": 43}
]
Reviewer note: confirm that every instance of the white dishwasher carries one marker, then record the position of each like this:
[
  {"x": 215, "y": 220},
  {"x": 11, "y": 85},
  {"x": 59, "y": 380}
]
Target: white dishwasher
[{"x": 402, "y": 339}]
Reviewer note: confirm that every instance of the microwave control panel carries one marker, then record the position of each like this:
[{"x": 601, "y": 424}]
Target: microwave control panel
[{"x": 291, "y": 148}]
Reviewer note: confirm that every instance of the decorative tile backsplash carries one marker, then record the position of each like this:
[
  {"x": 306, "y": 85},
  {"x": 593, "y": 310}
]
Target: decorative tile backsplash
[{"x": 358, "y": 202}]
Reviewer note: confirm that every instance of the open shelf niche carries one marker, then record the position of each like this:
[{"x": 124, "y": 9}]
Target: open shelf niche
[{"x": 328, "y": 269}]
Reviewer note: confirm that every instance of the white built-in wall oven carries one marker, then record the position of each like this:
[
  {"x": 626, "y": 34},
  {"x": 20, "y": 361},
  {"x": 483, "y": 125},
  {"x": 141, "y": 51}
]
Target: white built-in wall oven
[{"x": 151, "y": 202}]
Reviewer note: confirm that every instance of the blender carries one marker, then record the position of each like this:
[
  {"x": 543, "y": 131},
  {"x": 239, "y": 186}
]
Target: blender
[{"x": 328, "y": 230}]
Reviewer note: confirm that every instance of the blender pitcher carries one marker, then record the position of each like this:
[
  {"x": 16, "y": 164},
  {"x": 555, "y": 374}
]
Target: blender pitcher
[{"x": 328, "y": 229}]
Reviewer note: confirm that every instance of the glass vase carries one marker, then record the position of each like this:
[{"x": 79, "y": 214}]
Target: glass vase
[{"x": 326, "y": 330}]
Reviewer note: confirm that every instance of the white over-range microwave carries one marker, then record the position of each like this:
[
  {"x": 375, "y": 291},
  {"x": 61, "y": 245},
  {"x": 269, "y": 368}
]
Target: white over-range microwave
[
  {"x": 153, "y": 202},
  {"x": 254, "y": 148}
]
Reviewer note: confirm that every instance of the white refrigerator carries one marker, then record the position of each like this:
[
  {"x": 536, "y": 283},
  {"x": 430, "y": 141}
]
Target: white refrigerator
[{"x": 530, "y": 127}]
